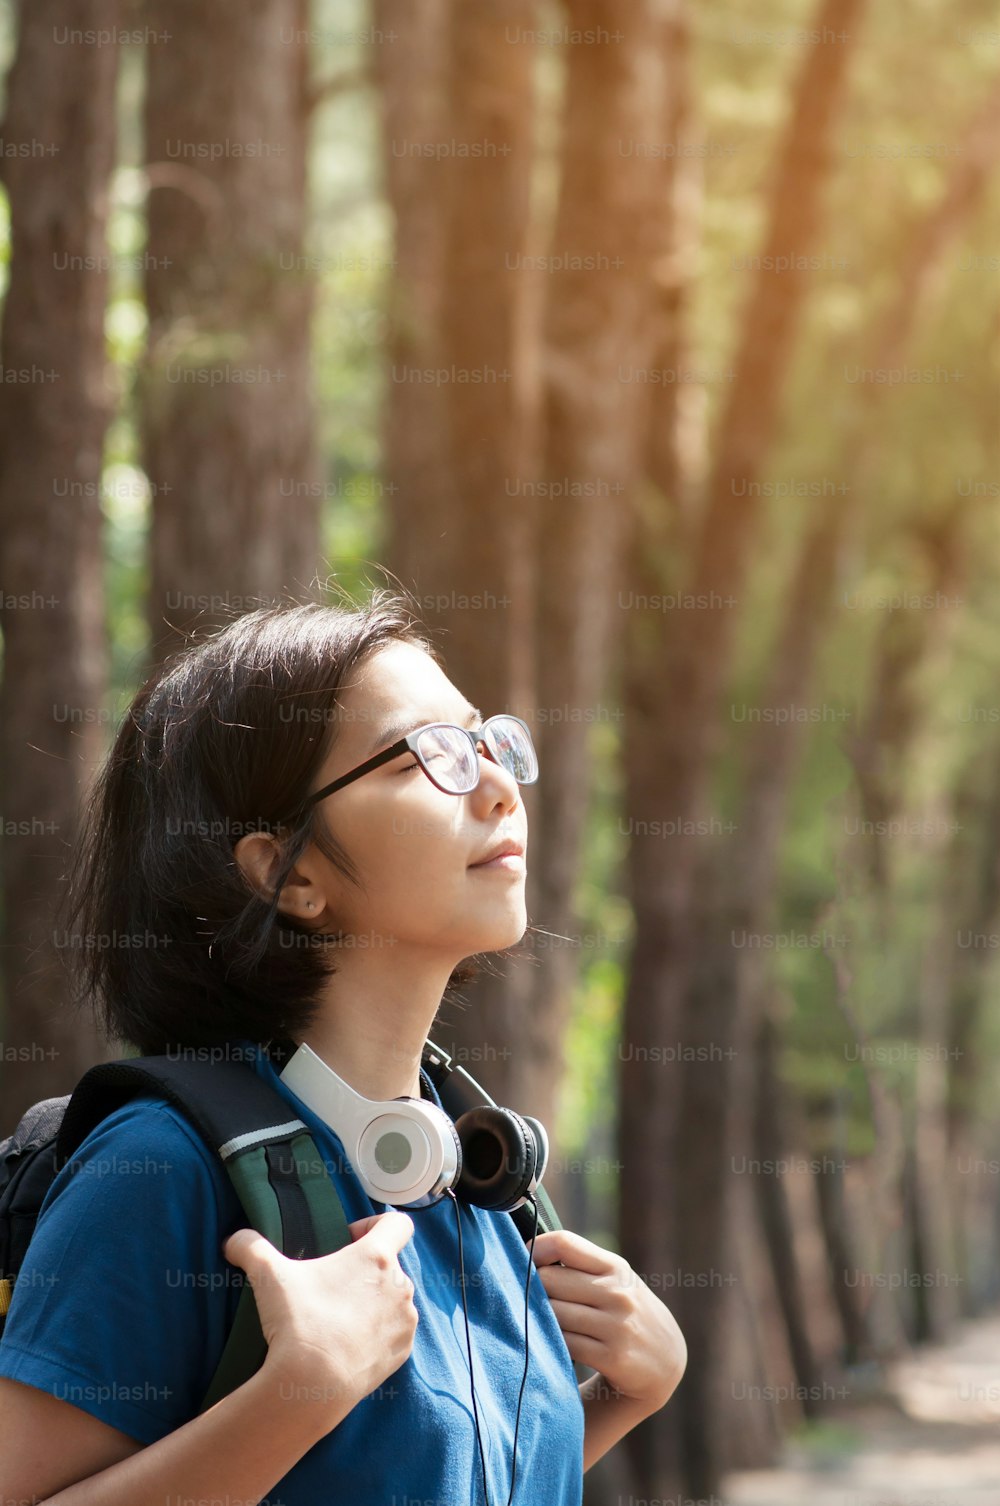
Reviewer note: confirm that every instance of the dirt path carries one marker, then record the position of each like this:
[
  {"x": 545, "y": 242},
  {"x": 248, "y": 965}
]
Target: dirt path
[{"x": 934, "y": 1441}]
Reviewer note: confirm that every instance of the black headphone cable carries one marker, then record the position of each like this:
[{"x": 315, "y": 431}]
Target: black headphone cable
[{"x": 468, "y": 1340}]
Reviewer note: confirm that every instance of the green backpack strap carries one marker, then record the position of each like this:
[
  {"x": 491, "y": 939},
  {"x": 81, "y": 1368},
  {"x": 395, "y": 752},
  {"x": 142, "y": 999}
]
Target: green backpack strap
[
  {"x": 281, "y": 1179},
  {"x": 251, "y": 1167},
  {"x": 246, "y": 1346},
  {"x": 548, "y": 1218},
  {"x": 287, "y": 1193}
]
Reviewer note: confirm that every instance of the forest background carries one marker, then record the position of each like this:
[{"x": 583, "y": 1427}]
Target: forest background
[{"x": 653, "y": 348}]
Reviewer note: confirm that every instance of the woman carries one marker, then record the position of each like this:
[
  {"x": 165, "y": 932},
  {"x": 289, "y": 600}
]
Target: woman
[{"x": 261, "y": 920}]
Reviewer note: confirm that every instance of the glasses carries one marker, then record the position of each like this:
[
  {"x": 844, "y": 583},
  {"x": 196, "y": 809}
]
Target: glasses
[{"x": 449, "y": 755}]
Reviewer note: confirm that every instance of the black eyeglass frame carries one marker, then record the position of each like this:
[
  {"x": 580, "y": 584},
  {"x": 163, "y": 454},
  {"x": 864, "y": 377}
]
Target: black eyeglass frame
[{"x": 408, "y": 743}]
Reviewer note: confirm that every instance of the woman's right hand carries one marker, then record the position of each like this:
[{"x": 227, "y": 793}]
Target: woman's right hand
[{"x": 337, "y": 1326}]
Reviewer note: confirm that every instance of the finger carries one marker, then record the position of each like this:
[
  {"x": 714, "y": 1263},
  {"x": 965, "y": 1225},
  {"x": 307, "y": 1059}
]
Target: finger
[
  {"x": 567, "y": 1285},
  {"x": 586, "y": 1350},
  {"x": 572, "y": 1250},
  {"x": 587, "y": 1321}
]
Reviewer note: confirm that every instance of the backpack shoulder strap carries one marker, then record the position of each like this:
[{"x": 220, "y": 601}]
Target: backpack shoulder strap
[
  {"x": 548, "y": 1218},
  {"x": 272, "y": 1161},
  {"x": 26, "y": 1173},
  {"x": 37, "y": 1124}
]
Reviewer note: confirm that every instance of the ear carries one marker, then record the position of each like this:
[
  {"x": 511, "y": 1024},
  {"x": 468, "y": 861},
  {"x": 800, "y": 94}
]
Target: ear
[{"x": 259, "y": 857}]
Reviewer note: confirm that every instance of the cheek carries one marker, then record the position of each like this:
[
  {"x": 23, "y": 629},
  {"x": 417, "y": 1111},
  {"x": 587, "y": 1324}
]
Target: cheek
[
  {"x": 421, "y": 816},
  {"x": 409, "y": 839}
]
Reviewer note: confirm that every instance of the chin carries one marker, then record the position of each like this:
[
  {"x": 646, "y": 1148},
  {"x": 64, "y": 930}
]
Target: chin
[
  {"x": 509, "y": 935},
  {"x": 501, "y": 933}
]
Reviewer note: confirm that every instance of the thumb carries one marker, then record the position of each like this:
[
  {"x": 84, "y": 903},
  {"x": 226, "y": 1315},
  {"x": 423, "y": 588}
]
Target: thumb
[
  {"x": 396, "y": 1225},
  {"x": 360, "y": 1226},
  {"x": 251, "y": 1251}
]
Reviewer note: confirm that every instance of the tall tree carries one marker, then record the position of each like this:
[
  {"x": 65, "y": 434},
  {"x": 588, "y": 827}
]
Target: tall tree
[
  {"x": 675, "y": 685},
  {"x": 599, "y": 341},
  {"x": 227, "y": 404},
  {"x": 458, "y": 143},
  {"x": 541, "y": 434},
  {"x": 59, "y": 140},
  {"x": 732, "y": 888},
  {"x": 411, "y": 52},
  {"x": 458, "y": 108},
  {"x": 750, "y": 854}
]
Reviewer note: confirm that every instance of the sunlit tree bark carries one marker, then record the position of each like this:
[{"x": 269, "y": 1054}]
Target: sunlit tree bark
[
  {"x": 677, "y": 990},
  {"x": 227, "y": 406},
  {"x": 56, "y": 401}
]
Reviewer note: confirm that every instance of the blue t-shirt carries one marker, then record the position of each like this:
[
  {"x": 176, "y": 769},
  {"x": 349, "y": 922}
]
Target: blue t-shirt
[{"x": 125, "y": 1299}]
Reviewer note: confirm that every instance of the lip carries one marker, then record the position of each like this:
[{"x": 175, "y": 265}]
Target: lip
[{"x": 507, "y": 855}]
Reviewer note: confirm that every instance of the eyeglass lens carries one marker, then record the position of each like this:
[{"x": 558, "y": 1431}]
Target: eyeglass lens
[{"x": 451, "y": 759}]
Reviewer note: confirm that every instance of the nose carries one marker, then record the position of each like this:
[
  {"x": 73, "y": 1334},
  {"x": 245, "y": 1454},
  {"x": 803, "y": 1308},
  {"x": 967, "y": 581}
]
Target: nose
[{"x": 496, "y": 787}]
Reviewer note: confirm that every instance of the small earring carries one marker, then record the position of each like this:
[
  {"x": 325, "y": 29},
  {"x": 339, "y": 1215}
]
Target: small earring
[{"x": 310, "y": 905}]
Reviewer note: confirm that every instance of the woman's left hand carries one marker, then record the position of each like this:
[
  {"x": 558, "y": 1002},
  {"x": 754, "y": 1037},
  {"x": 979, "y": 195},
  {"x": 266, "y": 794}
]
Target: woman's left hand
[{"x": 609, "y": 1317}]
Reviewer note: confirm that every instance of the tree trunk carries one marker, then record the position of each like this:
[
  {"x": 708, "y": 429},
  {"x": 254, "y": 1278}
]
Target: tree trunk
[
  {"x": 771, "y": 1147},
  {"x": 411, "y": 66},
  {"x": 227, "y": 406},
  {"x": 682, "y": 910},
  {"x": 842, "y": 1260},
  {"x": 748, "y": 860},
  {"x": 458, "y": 120},
  {"x": 480, "y": 565},
  {"x": 598, "y": 332},
  {"x": 979, "y": 814},
  {"x": 457, "y": 434},
  {"x": 61, "y": 113},
  {"x": 512, "y": 639}
]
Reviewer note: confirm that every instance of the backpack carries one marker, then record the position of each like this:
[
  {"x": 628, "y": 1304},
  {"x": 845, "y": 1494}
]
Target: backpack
[{"x": 271, "y": 1159}]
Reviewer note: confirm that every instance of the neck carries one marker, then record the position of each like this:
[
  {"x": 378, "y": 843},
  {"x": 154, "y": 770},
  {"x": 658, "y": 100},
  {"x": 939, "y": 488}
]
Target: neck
[{"x": 374, "y": 1020}]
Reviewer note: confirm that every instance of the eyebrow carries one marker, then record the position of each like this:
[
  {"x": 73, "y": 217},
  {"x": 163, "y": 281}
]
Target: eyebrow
[{"x": 389, "y": 735}]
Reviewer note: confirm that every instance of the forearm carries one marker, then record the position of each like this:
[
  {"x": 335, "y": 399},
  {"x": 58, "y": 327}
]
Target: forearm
[
  {"x": 238, "y": 1450},
  {"x": 607, "y": 1416}
]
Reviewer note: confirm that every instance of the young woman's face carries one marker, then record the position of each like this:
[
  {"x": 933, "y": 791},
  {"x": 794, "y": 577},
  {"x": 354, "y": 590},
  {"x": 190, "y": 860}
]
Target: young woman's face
[{"x": 415, "y": 848}]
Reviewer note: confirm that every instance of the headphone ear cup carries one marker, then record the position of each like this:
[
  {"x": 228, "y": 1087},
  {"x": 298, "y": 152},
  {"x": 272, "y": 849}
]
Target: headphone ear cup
[
  {"x": 541, "y": 1139},
  {"x": 458, "y": 1152},
  {"x": 499, "y": 1155}
]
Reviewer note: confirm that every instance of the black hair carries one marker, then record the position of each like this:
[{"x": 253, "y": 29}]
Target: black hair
[{"x": 174, "y": 946}]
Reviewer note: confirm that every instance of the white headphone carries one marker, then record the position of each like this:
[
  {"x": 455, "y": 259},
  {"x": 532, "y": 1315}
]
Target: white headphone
[{"x": 409, "y": 1153}]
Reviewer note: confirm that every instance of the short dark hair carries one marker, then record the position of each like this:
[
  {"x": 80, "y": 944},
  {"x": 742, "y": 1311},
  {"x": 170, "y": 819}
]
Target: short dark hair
[{"x": 227, "y": 737}]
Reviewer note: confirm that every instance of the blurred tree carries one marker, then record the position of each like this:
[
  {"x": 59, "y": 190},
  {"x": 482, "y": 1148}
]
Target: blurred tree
[
  {"x": 227, "y": 409},
  {"x": 541, "y": 436},
  {"x": 60, "y": 122},
  {"x": 751, "y": 853},
  {"x": 411, "y": 54},
  {"x": 598, "y": 342},
  {"x": 733, "y": 885},
  {"x": 676, "y": 990},
  {"x": 458, "y": 143}
]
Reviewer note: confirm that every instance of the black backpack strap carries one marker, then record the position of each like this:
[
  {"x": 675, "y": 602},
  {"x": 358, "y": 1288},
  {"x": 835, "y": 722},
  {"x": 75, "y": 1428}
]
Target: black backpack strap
[
  {"x": 37, "y": 1124},
  {"x": 26, "y": 1173},
  {"x": 279, "y": 1175},
  {"x": 224, "y": 1100}
]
